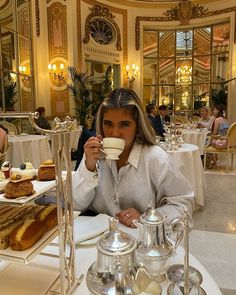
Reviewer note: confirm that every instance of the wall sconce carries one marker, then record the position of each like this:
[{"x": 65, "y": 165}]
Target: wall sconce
[
  {"x": 132, "y": 72},
  {"x": 23, "y": 71},
  {"x": 56, "y": 73}
]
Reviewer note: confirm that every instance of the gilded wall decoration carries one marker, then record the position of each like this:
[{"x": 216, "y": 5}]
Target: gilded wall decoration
[
  {"x": 37, "y": 16},
  {"x": 112, "y": 9},
  {"x": 103, "y": 13},
  {"x": 185, "y": 11},
  {"x": 181, "y": 13},
  {"x": 57, "y": 31},
  {"x": 60, "y": 103}
]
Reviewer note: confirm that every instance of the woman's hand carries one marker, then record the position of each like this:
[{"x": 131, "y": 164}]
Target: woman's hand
[
  {"x": 92, "y": 152},
  {"x": 127, "y": 216}
]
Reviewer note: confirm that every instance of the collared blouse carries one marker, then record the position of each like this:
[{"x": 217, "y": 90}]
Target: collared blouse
[{"x": 148, "y": 178}]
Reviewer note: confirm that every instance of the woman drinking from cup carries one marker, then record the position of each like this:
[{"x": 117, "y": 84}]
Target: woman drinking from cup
[{"x": 142, "y": 176}]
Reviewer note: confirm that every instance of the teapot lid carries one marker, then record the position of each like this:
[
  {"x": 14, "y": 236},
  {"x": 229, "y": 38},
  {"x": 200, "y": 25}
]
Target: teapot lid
[
  {"x": 152, "y": 217},
  {"x": 116, "y": 241}
]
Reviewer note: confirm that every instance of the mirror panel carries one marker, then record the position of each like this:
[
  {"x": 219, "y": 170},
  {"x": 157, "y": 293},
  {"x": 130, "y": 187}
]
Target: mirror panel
[
  {"x": 8, "y": 49},
  {"x": 220, "y": 67},
  {"x": 150, "y": 72},
  {"x": 201, "y": 94},
  {"x": 17, "y": 85},
  {"x": 166, "y": 71},
  {"x": 24, "y": 56},
  {"x": 183, "y": 98},
  {"x": 183, "y": 71},
  {"x": 167, "y": 43},
  {"x": 202, "y": 69},
  {"x": 150, "y": 44},
  {"x": 221, "y": 34},
  {"x": 193, "y": 62},
  {"x": 202, "y": 41},
  {"x": 149, "y": 94},
  {"x": 166, "y": 96},
  {"x": 26, "y": 94}
]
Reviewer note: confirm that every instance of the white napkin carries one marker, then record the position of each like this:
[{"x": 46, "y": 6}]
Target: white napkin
[{"x": 86, "y": 229}]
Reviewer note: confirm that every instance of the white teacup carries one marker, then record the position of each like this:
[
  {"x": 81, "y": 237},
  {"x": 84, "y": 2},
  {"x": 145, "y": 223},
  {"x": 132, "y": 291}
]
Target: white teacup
[{"x": 113, "y": 147}]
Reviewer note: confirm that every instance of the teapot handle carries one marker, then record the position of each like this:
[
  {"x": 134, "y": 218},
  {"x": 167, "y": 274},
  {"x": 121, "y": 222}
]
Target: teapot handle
[{"x": 180, "y": 233}]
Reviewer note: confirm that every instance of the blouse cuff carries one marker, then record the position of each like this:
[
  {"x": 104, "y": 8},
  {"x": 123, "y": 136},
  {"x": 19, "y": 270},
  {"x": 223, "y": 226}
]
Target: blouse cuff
[{"x": 91, "y": 176}]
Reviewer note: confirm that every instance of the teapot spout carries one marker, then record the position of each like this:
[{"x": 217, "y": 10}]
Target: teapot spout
[{"x": 121, "y": 284}]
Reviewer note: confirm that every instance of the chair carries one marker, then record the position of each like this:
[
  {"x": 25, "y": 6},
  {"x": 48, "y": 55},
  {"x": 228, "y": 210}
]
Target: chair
[
  {"x": 12, "y": 130},
  {"x": 230, "y": 149}
]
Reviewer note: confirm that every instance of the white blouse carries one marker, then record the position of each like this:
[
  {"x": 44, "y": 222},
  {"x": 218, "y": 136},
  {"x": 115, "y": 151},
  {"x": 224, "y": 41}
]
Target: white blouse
[{"x": 149, "y": 178}]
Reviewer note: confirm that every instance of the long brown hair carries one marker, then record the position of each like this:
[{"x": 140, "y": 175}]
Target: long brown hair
[{"x": 127, "y": 99}]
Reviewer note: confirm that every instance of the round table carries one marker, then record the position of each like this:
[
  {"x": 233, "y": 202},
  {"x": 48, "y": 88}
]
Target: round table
[
  {"x": 197, "y": 137},
  {"x": 32, "y": 148},
  {"x": 188, "y": 160},
  {"x": 36, "y": 277}
]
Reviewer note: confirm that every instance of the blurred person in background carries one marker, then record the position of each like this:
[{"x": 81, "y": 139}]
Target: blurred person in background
[
  {"x": 207, "y": 119},
  {"x": 42, "y": 122},
  {"x": 151, "y": 112}
]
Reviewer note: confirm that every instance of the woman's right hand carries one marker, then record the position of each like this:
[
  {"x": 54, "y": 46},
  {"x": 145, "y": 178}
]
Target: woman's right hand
[{"x": 92, "y": 152}]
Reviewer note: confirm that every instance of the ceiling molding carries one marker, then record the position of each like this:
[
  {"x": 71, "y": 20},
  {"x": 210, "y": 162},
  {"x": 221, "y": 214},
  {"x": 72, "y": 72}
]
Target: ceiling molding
[{"x": 155, "y": 4}]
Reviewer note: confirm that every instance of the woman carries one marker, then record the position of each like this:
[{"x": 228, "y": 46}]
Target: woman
[
  {"x": 220, "y": 124},
  {"x": 219, "y": 130},
  {"x": 143, "y": 175},
  {"x": 42, "y": 122}
]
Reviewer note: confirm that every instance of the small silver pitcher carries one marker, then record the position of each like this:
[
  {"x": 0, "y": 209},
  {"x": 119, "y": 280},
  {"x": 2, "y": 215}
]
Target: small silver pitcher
[
  {"x": 114, "y": 271},
  {"x": 154, "y": 248}
]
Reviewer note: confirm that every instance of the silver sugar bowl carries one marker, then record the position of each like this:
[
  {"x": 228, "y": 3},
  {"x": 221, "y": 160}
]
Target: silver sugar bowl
[{"x": 114, "y": 271}]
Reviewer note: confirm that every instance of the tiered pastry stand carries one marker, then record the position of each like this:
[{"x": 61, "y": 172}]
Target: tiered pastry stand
[{"x": 67, "y": 280}]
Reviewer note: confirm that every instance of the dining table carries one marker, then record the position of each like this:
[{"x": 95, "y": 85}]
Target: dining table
[
  {"x": 36, "y": 277},
  {"x": 187, "y": 159},
  {"x": 28, "y": 148},
  {"x": 197, "y": 137}
]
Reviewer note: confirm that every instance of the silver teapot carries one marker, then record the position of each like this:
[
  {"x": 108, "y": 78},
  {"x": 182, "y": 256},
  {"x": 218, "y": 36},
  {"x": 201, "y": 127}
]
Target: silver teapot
[
  {"x": 154, "y": 247},
  {"x": 114, "y": 271}
]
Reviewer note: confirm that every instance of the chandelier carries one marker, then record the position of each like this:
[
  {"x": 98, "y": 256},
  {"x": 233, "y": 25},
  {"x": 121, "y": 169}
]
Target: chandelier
[{"x": 184, "y": 71}]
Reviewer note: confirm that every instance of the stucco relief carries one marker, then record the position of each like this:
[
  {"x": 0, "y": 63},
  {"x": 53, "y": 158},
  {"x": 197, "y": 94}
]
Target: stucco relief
[{"x": 57, "y": 31}]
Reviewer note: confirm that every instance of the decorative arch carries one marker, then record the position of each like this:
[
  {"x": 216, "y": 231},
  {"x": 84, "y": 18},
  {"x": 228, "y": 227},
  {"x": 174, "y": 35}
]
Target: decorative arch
[{"x": 104, "y": 13}]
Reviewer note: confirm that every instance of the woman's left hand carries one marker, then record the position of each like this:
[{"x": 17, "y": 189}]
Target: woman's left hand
[{"x": 127, "y": 216}]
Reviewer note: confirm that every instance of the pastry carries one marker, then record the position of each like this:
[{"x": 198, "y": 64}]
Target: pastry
[
  {"x": 26, "y": 234},
  {"x": 27, "y": 169},
  {"x": 46, "y": 170},
  {"x": 5, "y": 233},
  {"x": 3, "y": 182},
  {"x": 18, "y": 186},
  {"x": 48, "y": 215}
]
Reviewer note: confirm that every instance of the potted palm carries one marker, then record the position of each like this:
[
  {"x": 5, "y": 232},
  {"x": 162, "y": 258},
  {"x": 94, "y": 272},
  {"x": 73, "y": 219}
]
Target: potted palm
[{"x": 10, "y": 96}]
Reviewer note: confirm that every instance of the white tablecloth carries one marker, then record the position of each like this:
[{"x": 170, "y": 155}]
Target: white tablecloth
[
  {"x": 188, "y": 160},
  {"x": 32, "y": 148},
  {"x": 196, "y": 137},
  {"x": 74, "y": 138},
  {"x": 36, "y": 277}
]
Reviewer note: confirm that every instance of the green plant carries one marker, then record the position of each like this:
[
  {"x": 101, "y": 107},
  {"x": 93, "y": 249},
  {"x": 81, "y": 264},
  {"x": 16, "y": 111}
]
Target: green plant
[
  {"x": 220, "y": 96},
  {"x": 10, "y": 95},
  {"x": 87, "y": 94}
]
